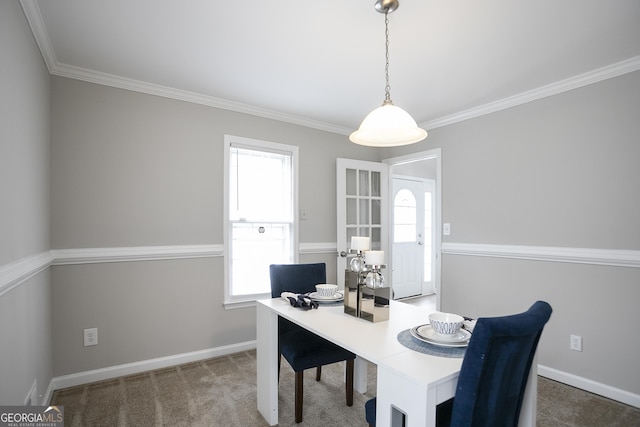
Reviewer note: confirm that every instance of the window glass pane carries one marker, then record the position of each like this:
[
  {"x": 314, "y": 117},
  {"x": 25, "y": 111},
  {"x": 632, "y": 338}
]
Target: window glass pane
[
  {"x": 266, "y": 195},
  {"x": 352, "y": 182},
  {"x": 364, "y": 183},
  {"x": 254, "y": 247}
]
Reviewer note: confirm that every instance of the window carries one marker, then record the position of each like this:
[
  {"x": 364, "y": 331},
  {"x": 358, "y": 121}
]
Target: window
[{"x": 260, "y": 207}]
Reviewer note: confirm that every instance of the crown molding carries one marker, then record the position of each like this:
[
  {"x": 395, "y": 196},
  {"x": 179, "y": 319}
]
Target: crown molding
[
  {"x": 32, "y": 13},
  {"x": 611, "y": 257},
  {"x": 40, "y": 34},
  {"x": 585, "y": 79}
]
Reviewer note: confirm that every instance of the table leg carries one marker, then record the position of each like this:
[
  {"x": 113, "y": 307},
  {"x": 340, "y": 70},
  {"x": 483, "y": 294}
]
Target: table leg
[
  {"x": 267, "y": 363},
  {"x": 360, "y": 375}
]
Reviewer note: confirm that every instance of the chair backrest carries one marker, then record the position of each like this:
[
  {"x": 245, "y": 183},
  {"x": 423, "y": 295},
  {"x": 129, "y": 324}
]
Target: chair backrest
[
  {"x": 496, "y": 367},
  {"x": 297, "y": 278}
]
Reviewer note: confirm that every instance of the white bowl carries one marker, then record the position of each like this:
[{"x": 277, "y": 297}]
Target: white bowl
[
  {"x": 326, "y": 290},
  {"x": 445, "y": 323}
]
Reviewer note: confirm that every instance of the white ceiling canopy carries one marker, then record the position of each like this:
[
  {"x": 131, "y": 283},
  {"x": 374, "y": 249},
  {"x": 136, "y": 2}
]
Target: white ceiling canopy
[{"x": 322, "y": 65}]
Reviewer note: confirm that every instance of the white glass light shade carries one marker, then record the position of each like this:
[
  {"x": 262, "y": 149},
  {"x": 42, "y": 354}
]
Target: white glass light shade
[{"x": 388, "y": 126}]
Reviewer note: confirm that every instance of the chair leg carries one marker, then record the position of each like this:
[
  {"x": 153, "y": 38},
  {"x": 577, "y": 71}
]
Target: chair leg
[
  {"x": 298, "y": 395},
  {"x": 318, "y": 373},
  {"x": 349, "y": 384}
]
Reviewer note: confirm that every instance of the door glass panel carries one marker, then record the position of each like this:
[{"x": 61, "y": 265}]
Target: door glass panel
[
  {"x": 352, "y": 212},
  {"x": 351, "y": 231},
  {"x": 352, "y": 182},
  {"x": 428, "y": 236},
  {"x": 375, "y": 184},
  {"x": 404, "y": 214},
  {"x": 376, "y": 242},
  {"x": 364, "y": 211},
  {"x": 364, "y": 183},
  {"x": 375, "y": 212}
]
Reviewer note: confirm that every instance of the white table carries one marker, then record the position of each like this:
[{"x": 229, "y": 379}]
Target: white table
[{"x": 410, "y": 381}]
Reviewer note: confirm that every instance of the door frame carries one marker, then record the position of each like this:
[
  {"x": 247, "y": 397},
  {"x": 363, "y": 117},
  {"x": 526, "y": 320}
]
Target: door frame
[{"x": 434, "y": 154}]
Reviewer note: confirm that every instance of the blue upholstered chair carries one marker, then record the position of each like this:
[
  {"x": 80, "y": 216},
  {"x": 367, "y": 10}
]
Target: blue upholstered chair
[
  {"x": 301, "y": 348},
  {"x": 494, "y": 372}
]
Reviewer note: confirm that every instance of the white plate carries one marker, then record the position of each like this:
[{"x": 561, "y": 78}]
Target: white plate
[
  {"x": 338, "y": 296},
  {"x": 427, "y": 334}
]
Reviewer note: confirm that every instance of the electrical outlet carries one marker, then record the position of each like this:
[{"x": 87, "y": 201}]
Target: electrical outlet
[
  {"x": 575, "y": 342},
  {"x": 90, "y": 337}
]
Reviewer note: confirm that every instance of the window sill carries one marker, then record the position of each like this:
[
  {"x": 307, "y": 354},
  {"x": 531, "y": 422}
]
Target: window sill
[{"x": 232, "y": 305}]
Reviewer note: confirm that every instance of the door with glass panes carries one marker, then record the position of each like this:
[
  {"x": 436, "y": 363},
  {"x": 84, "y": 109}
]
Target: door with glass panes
[{"x": 362, "y": 199}]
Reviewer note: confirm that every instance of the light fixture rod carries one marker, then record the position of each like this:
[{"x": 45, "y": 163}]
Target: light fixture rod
[{"x": 387, "y": 88}]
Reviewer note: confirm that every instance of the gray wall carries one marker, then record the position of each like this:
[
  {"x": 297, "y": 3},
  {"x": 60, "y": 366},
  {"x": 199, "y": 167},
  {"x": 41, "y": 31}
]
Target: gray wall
[
  {"x": 561, "y": 171},
  {"x": 25, "y": 316},
  {"x": 130, "y": 169}
]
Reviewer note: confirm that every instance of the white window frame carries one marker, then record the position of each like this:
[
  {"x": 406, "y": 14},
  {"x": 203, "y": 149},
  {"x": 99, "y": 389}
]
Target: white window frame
[{"x": 231, "y": 301}]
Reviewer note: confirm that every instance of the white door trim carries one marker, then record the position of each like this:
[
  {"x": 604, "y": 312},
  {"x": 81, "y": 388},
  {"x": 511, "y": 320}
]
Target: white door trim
[{"x": 435, "y": 154}]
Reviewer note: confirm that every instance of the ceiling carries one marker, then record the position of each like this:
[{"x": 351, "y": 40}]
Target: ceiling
[{"x": 322, "y": 64}]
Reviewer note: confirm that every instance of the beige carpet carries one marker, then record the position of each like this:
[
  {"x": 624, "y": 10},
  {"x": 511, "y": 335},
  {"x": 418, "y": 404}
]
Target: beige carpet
[{"x": 222, "y": 392}]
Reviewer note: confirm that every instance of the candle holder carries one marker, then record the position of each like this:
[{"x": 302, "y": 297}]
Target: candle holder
[
  {"x": 366, "y": 295},
  {"x": 354, "y": 277},
  {"x": 357, "y": 263},
  {"x": 374, "y": 295}
]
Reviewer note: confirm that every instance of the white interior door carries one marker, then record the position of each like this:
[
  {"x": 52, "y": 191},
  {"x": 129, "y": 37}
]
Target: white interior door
[
  {"x": 362, "y": 207},
  {"x": 408, "y": 239}
]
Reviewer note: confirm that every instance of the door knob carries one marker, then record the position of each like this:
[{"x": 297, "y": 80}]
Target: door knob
[{"x": 343, "y": 254}]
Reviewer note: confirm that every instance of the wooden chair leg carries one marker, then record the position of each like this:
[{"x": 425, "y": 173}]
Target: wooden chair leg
[
  {"x": 298, "y": 395},
  {"x": 349, "y": 384},
  {"x": 318, "y": 373}
]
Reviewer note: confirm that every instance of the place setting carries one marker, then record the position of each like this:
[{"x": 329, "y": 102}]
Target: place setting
[
  {"x": 445, "y": 335},
  {"x": 325, "y": 294}
]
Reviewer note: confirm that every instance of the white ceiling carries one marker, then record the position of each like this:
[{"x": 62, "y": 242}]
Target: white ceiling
[{"x": 321, "y": 64}]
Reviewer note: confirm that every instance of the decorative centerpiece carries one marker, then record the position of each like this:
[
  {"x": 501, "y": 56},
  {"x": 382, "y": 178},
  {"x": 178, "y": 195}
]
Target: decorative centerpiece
[
  {"x": 366, "y": 295},
  {"x": 354, "y": 276}
]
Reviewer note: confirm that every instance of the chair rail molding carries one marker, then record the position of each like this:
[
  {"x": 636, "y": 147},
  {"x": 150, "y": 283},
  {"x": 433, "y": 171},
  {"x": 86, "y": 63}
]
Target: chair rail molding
[
  {"x": 318, "y": 248},
  {"x": 611, "y": 257},
  {"x": 134, "y": 253},
  {"x": 15, "y": 273}
]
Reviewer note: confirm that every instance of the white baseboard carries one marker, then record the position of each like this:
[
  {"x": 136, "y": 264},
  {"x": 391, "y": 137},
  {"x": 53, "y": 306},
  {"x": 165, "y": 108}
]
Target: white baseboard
[
  {"x": 144, "y": 365},
  {"x": 604, "y": 390}
]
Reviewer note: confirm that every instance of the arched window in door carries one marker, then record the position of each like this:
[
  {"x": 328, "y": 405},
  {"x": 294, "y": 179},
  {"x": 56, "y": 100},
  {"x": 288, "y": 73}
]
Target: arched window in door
[{"x": 404, "y": 215}]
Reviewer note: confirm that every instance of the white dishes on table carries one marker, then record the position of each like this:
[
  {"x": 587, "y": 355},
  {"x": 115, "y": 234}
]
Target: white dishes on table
[
  {"x": 326, "y": 289},
  {"x": 336, "y": 297},
  {"x": 425, "y": 333}
]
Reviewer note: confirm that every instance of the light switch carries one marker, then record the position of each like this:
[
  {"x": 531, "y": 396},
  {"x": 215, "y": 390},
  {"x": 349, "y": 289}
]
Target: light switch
[{"x": 446, "y": 228}]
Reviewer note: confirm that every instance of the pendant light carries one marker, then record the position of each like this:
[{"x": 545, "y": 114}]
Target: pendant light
[{"x": 387, "y": 125}]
